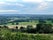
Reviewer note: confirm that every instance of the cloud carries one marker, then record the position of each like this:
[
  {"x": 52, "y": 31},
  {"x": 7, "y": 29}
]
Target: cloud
[
  {"x": 42, "y": 6},
  {"x": 32, "y": 0},
  {"x": 12, "y": 11},
  {"x": 36, "y": 1},
  {"x": 1, "y": 3},
  {"x": 17, "y": 4},
  {"x": 11, "y": 0},
  {"x": 49, "y": 0}
]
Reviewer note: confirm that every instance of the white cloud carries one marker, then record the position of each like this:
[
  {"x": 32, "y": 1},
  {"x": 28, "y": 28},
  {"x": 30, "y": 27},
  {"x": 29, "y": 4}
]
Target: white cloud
[
  {"x": 32, "y": 0},
  {"x": 8, "y": 11},
  {"x": 11, "y": 0},
  {"x": 36, "y": 1},
  {"x": 1, "y": 3},
  {"x": 17, "y": 4},
  {"x": 49, "y": 0},
  {"x": 42, "y": 6}
]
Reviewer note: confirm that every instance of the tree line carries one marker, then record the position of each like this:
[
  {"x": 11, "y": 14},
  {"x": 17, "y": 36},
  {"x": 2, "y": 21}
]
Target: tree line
[{"x": 41, "y": 27}]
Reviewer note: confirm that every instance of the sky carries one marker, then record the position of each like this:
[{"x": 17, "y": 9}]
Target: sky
[{"x": 26, "y": 6}]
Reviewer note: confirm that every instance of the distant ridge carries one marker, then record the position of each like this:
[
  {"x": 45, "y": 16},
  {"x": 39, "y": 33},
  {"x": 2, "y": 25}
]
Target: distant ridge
[{"x": 25, "y": 14}]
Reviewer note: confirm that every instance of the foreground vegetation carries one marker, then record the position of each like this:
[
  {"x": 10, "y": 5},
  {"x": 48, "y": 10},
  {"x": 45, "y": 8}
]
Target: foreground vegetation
[{"x": 6, "y": 34}]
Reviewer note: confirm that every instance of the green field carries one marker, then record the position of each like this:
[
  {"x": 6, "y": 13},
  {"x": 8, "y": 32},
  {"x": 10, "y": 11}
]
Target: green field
[{"x": 34, "y": 22}]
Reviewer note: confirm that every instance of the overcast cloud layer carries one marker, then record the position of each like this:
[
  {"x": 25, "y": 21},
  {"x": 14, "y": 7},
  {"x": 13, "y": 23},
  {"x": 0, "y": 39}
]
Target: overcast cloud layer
[{"x": 26, "y": 6}]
